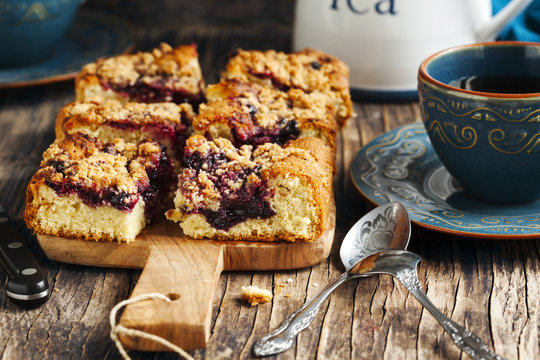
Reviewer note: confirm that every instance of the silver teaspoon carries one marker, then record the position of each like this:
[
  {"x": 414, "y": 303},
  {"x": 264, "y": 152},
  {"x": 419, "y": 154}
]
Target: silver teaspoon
[
  {"x": 385, "y": 227},
  {"x": 363, "y": 254},
  {"x": 402, "y": 265}
]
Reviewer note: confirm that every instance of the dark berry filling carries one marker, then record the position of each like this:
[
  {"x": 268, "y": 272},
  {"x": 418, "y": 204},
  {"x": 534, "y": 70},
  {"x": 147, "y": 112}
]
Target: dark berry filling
[
  {"x": 256, "y": 135},
  {"x": 195, "y": 160},
  {"x": 157, "y": 91},
  {"x": 250, "y": 201},
  {"x": 161, "y": 177},
  {"x": 59, "y": 166},
  {"x": 316, "y": 65},
  {"x": 270, "y": 75},
  {"x": 158, "y": 131},
  {"x": 94, "y": 197},
  {"x": 108, "y": 149},
  {"x": 182, "y": 135}
]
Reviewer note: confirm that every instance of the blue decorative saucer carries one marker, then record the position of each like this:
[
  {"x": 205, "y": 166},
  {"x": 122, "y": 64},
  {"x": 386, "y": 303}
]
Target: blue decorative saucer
[
  {"x": 402, "y": 166},
  {"x": 92, "y": 35}
]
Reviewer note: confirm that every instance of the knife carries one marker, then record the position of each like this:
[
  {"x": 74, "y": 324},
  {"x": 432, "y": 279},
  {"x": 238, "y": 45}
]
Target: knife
[{"x": 27, "y": 285}]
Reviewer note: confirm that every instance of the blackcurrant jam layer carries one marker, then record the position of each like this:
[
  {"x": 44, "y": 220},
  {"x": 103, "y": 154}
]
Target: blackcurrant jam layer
[
  {"x": 257, "y": 135},
  {"x": 161, "y": 177},
  {"x": 276, "y": 83},
  {"x": 156, "y": 91},
  {"x": 250, "y": 202},
  {"x": 241, "y": 192},
  {"x": 66, "y": 178},
  {"x": 165, "y": 74},
  {"x": 167, "y": 123},
  {"x": 96, "y": 197}
]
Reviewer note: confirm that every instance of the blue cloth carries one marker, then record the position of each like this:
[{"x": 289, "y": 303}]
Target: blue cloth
[{"x": 525, "y": 27}]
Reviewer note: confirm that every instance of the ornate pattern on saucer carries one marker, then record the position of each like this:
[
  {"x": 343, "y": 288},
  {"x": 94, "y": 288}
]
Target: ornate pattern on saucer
[
  {"x": 402, "y": 166},
  {"x": 109, "y": 36}
]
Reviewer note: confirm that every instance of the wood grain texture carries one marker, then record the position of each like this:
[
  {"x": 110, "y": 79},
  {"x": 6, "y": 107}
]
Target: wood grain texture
[
  {"x": 491, "y": 286},
  {"x": 185, "y": 269},
  {"x": 188, "y": 273}
]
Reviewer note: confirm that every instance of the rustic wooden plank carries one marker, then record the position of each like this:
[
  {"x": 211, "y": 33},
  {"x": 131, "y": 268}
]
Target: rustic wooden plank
[
  {"x": 379, "y": 326},
  {"x": 439, "y": 280},
  {"x": 369, "y": 118},
  {"x": 510, "y": 301},
  {"x": 493, "y": 287},
  {"x": 376, "y": 309},
  {"x": 529, "y": 338}
]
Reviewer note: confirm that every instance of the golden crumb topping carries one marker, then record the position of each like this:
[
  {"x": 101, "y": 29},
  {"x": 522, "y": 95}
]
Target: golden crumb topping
[
  {"x": 136, "y": 113},
  {"x": 262, "y": 157},
  {"x": 252, "y": 111},
  {"x": 244, "y": 110},
  {"x": 86, "y": 161},
  {"x": 216, "y": 170},
  {"x": 176, "y": 68},
  {"x": 308, "y": 70}
]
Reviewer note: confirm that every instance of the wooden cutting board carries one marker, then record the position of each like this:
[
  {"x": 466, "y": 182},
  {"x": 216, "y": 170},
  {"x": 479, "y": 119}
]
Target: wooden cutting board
[{"x": 185, "y": 269}]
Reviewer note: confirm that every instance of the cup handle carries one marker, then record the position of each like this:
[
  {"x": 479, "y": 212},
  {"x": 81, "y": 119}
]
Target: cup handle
[{"x": 489, "y": 30}]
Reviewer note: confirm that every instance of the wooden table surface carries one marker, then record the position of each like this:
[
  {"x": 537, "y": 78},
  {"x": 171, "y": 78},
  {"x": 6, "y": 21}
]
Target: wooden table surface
[{"x": 490, "y": 286}]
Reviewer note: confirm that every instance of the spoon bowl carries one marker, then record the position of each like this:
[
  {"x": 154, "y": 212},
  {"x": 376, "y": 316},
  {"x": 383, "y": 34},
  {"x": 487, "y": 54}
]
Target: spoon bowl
[{"x": 386, "y": 227}]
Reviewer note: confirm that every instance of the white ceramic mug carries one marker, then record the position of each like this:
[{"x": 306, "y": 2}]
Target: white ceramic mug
[{"x": 384, "y": 41}]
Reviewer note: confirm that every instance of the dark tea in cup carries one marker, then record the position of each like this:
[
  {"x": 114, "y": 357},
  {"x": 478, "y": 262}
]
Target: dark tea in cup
[{"x": 502, "y": 84}]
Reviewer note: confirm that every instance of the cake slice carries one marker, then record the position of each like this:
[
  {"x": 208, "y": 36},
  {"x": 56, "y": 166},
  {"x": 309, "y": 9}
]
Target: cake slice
[
  {"x": 308, "y": 70},
  {"x": 167, "y": 123},
  {"x": 248, "y": 113},
  {"x": 268, "y": 194},
  {"x": 163, "y": 75},
  {"x": 89, "y": 189}
]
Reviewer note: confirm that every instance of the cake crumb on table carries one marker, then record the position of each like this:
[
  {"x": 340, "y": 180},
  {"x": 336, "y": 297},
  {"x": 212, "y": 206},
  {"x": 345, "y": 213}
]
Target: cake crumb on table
[
  {"x": 224, "y": 354},
  {"x": 255, "y": 296}
]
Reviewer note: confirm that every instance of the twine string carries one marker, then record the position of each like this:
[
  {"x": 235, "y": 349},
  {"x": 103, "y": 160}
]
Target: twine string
[{"x": 117, "y": 330}]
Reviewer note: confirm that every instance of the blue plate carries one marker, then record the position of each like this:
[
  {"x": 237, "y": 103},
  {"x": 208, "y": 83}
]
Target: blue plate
[
  {"x": 91, "y": 36},
  {"x": 402, "y": 166}
]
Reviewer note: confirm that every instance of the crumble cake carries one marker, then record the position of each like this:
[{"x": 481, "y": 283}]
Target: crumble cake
[
  {"x": 247, "y": 113},
  {"x": 308, "y": 70},
  {"x": 167, "y": 123},
  {"x": 93, "y": 190},
  {"x": 163, "y": 75},
  {"x": 270, "y": 193}
]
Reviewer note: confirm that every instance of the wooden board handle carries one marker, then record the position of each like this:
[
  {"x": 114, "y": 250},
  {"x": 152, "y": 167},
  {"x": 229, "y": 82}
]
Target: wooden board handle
[{"x": 184, "y": 269}]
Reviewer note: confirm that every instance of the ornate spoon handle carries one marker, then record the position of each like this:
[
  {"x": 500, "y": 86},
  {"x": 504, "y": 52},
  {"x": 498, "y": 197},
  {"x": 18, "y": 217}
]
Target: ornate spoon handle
[
  {"x": 466, "y": 340},
  {"x": 283, "y": 337}
]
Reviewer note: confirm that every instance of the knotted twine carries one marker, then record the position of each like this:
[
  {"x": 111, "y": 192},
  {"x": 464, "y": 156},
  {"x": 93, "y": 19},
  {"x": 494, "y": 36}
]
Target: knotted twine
[{"x": 117, "y": 330}]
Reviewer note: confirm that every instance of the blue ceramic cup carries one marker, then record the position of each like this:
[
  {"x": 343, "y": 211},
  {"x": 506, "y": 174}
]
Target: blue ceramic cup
[
  {"x": 30, "y": 29},
  {"x": 481, "y": 108}
]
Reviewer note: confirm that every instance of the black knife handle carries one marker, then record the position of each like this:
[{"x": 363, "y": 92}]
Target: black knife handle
[{"x": 27, "y": 286}]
